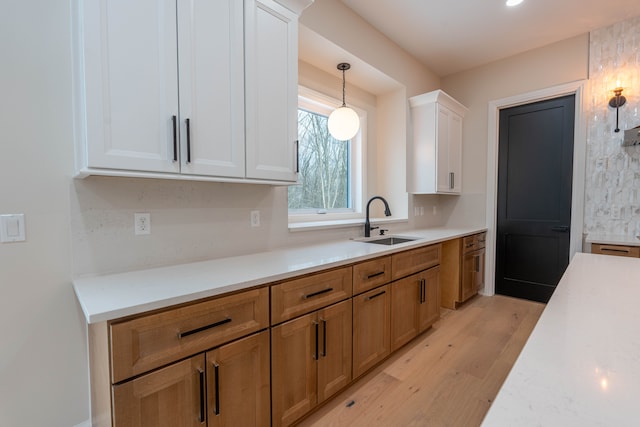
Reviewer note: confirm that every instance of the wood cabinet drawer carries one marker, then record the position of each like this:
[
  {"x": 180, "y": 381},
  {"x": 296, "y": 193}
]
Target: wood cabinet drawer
[
  {"x": 144, "y": 343},
  {"x": 412, "y": 261},
  {"x": 474, "y": 242},
  {"x": 300, "y": 296},
  {"x": 369, "y": 274},
  {"x": 619, "y": 250}
]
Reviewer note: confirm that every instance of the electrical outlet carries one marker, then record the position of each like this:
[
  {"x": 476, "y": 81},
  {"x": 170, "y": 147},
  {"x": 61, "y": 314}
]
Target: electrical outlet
[
  {"x": 255, "y": 218},
  {"x": 141, "y": 223}
]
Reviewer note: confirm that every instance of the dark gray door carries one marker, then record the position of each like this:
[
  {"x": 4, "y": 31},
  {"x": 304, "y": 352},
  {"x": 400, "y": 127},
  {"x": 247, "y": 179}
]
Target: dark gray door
[{"x": 535, "y": 164}]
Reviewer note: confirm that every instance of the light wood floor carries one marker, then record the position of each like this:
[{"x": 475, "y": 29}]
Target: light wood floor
[{"x": 446, "y": 377}]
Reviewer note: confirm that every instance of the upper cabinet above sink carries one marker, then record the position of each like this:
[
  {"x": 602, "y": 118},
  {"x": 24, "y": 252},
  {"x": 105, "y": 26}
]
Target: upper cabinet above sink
[{"x": 435, "y": 165}]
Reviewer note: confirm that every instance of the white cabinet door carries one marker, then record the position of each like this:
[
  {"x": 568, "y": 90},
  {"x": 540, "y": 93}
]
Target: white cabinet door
[
  {"x": 271, "y": 82},
  {"x": 131, "y": 90},
  {"x": 435, "y": 157},
  {"x": 448, "y": 145},
  {"x": 211, "y": 64}
]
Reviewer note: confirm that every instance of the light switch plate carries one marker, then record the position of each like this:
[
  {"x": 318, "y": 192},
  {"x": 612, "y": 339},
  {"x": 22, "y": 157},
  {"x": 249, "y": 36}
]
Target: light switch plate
[{"x": 12, "y": 228}]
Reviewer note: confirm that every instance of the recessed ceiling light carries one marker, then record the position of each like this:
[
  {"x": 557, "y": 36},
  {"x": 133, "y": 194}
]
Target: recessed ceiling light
[{"x": 513, "y": 2}]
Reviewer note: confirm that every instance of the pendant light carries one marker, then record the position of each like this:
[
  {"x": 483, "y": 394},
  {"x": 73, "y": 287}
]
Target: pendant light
[{"x": 343, "y": 122}]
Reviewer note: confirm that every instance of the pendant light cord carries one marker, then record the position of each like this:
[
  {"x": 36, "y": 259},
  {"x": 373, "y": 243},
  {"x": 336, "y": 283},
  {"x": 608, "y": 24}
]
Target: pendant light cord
[{"x": 343, "y": 88}]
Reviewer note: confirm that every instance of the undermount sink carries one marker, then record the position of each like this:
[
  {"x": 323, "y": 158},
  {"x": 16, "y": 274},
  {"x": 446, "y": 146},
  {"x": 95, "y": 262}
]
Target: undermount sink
[{"x": 391, "y": 240}]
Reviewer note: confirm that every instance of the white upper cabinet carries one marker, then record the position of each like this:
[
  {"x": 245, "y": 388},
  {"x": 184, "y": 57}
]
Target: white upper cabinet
[
  {"x": 160, "y": 89},
  {"x": 211, "y": 86},
  {"x": 130, "y": 84},
  {"x": 435, "y": 157},
  {"x": 271, "y": 43}
]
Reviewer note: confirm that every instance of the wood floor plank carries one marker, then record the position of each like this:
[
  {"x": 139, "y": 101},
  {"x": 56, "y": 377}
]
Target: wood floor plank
[{"x": 447, "y": 376}]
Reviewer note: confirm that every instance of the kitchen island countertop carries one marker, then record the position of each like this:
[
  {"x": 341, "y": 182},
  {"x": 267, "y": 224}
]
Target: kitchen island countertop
[
  {"x": 108, "y": 297},
  {"x": 581, "y": 364}
]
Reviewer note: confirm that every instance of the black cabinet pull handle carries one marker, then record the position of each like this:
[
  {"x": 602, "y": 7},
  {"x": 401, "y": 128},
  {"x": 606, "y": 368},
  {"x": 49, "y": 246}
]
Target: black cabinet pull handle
[
  {"x": 202, "y": 402},
  {"x": 421, "y": 291},
  {"x": 175, "y": 138},
  {"x": 203, "y": 328},
  {"x": 315, "y": 294},
  {"x": 561, "y": 228},
  {"x": 452, "y": 180},
  {"x": 324, "y": 338},
  {"x": 297, "y": 156},
  {"x": 610, "y": 249},
  {"x": 216, "y": 371},
  {"x": 477, "y": 257},
  {"x": 315, "y": 356},
  {"x": 375, "y": 296},
  {"x": 188, "y": 122},
  {"x": 371, "y": 276}
]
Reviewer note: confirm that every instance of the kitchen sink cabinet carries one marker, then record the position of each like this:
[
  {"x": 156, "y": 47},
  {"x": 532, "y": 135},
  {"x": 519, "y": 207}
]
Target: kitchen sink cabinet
[
  {"x": 463, "y": 269},
  {"x": 415, "y": 305},
  {"x": 371, "y": 333},
  {"x": 311, "y": 361},
  {"x": 436, "y": 151}
]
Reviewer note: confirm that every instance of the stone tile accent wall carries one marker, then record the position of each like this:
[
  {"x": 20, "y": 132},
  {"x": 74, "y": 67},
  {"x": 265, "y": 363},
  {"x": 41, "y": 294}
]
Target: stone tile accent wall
[{"x": 612, "y": 193}]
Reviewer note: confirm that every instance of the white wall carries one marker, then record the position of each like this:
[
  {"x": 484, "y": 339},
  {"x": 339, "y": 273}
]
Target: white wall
[{"x": 43, "y": 367}]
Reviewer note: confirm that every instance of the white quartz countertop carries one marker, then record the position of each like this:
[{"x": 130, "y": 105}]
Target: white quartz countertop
[
  {"x": 581, "y": 364},
  {"x": 612, "y": 239},
  {"x": 109, "y": 297}
]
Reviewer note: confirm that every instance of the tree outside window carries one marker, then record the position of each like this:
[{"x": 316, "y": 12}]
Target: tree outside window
[{"x": 324, "y": 168}]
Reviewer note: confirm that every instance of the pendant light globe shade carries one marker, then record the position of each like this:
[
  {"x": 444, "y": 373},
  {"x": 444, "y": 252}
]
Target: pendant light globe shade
[{"x": 343, "y": 123}]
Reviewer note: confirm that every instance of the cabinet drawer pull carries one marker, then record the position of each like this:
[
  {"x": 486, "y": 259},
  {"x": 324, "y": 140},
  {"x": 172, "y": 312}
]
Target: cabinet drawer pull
[
  {"x": 619, "y": 250},
  {"x": 203, "y": 328},
  {"x": 202, "y": 402},
  {"x": 188, "y": 122},
  {"x": 371, "y": 276},
  {"x": 216, "y": 381},
  {"x": 315, "y": 294},
  {"x": 175, "y": 138},
  {"x": 375, "y": 296}
]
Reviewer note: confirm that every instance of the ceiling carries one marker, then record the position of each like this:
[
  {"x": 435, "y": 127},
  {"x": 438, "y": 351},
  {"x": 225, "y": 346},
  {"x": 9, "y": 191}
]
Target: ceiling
[{"x": 455, "y": 35}]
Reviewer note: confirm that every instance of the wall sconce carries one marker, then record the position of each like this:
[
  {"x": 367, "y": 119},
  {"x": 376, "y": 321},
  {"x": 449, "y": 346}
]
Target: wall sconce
[
  {"x": 343, "y": 122},
  {"x": 616, "y": 102}
]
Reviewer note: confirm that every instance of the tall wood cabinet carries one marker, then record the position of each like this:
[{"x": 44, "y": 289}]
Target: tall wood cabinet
[
  {"x": 436, "y": 149},
  {"x": 160, "y": 89}
]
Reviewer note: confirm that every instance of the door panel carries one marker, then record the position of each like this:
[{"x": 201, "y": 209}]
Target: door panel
[
  {"x": 534, "y": 197},
  {"x": 334, "y": 359}
]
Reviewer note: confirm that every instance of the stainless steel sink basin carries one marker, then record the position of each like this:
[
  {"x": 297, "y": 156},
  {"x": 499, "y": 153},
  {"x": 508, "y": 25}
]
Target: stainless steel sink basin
[{"x": 391, "y": 240}]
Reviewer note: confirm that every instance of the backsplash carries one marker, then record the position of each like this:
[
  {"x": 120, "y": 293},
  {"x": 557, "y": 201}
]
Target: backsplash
[{"x": 612, "y": 193}]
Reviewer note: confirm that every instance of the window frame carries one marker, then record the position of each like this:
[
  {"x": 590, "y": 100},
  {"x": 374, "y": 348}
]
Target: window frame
[{"x": 316, "y": 102}]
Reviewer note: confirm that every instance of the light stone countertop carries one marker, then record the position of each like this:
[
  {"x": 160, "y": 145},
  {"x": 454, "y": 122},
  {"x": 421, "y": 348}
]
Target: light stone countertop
[
  {"x": 112, "y": 296},
  {"x": 612, "y": 239},
  {"x": 581, "y": 364}
]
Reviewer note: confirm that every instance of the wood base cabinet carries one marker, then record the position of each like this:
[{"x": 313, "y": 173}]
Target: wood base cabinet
[
  {"x": 228, "y": 386},
  {"x": 371, "y": 321},
  {"x": 463, "y": 269},
  {"x": 415, "y": 305},
  {"x": 311, "y": 361}
]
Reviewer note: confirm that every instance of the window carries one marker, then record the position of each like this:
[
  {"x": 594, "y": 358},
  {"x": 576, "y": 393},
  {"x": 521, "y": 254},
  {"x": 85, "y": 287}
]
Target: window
[{"x": 330, "y": 171}]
